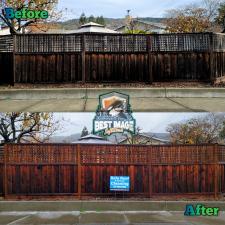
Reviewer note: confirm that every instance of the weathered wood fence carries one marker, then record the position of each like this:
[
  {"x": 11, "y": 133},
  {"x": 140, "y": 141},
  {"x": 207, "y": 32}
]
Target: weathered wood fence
[
  {"x": 1, "y": 169},
  {"x": 85, "y": 170},
  {"x": 70, "y": 58}
]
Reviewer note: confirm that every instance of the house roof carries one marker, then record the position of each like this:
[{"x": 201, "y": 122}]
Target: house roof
[
  {"x": 92, "y": 24},
  {"x": 91, "y": 136},
  {"x": 154, "y": 25},
  {"x": 93, "y": 28},
  {"x": 162, "y": 137},
  {"x": 157, "y": 25},
  {"x": 165, "y": 137},
  {"x": 86, "y": 28},
  {"x": 55, "y": 31},
  {"x": 92, "y": 139}
]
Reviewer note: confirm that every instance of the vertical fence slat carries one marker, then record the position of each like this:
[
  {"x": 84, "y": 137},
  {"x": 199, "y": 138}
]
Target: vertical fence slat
[
  {"x": 150, "y": 62},
  {"x": 150, "y": 173},
  {"x": 83, "y": 58},
  {"x": 79, "y": 180},
  {"x": 216, "y": 172},
  {"x": 5, "y": 172}
]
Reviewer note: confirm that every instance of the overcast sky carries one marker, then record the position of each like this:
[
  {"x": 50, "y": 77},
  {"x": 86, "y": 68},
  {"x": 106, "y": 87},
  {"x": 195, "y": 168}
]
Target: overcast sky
[
  {"x": 117, "y": 8},
  {"x": 150, "y": 122}
]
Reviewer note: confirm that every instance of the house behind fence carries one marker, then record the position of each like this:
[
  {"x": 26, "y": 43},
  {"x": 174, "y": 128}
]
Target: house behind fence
[{"x": 70, "y": 58}]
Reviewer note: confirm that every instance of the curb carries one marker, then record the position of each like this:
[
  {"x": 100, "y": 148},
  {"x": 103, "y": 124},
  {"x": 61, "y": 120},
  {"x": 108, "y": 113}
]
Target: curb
[
  {"x": 101, "y": 206},
  {"x": 93, "y": 93}
]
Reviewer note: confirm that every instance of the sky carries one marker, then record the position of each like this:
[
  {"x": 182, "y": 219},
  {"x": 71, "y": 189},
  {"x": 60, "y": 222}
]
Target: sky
[
  {"x": 74, "y": 123},
  {"x": 118, "y": 8}
]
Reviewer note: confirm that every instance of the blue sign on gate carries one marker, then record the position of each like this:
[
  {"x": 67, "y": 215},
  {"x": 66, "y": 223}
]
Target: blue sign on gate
[{"x": 119, "y": 183}]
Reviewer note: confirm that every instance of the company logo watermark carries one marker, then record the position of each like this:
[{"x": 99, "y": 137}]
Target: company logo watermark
[
  {"x": 25, "y": 13},
  {"x": 201, "y": 210},
  {"x": 113, "y": 115}
]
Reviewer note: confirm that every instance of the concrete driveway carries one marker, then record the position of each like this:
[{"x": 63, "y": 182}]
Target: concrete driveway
[{"x": 86, "y": 100}]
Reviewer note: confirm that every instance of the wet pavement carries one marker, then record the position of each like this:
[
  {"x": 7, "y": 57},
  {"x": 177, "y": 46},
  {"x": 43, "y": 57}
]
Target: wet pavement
[{"x": 107, "y": 218}]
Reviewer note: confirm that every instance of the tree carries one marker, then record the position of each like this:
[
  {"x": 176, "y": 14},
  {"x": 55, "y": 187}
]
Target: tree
[
  {"x": 194, "y": 18},
  {"x": 83, "y": 19},
  {"x": 84, "y": 132},
  {"x": 189, "y": 19},
  {"x": 211, "y": 7},
  {"x": 220, "y": 19},
  {"x": 27, "y": 127},
  {"x": 19, "y": 25},
  {"x": 91, "y": 19},
  {"x": 222, "y": 132},
  {"x": 131, "y": 25},
  {"x": 201, "y": 130},
  {"x": 100, "y": 20}
]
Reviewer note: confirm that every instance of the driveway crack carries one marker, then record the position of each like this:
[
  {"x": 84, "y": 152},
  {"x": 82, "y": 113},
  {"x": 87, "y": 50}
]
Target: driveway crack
[
  {"x": 85, "y": 100},
  {"x": 183, "y": 106}
]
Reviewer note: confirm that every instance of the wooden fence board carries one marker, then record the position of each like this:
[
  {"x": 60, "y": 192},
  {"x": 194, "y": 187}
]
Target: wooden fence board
[
  {"x": 6, "y": 68},
  {"x": 52, "y": 68},
  {"x": 61, "y": 169}
]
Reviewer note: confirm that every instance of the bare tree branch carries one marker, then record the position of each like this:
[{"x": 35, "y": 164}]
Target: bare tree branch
[{"x": 16, "y": 127}]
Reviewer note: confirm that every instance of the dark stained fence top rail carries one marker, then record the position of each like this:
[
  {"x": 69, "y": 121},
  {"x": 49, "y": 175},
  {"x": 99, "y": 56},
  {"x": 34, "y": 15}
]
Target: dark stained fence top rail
[
  {"x": 113, "y": 43},
  {"x": 219, "y": 42},
  {"x": 47, "y": 43},
  {"x": 180, "y": 42},
  {"x": 111, "y": 154},
  {"x": 6, "y": 43}
]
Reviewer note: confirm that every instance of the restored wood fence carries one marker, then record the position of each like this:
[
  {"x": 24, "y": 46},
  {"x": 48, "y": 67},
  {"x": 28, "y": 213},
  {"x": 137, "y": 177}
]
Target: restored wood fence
[
  {"x": 70, "y": 58},
  {"x": 85, "y": 170}
]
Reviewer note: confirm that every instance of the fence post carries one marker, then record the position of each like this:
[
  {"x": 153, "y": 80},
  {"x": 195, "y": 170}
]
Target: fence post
[
  {"x": 150, "y": 172},
  {"x": 212, "y": 71},
  {"x": 5, "y": 186},
  {"x": 14, "y": 61},
  {"x": 79, "y": 171},
  {"x": 216, "y": 162},
  {"x": 150, "y": 63},
  {"x": 83, "y": 55}
]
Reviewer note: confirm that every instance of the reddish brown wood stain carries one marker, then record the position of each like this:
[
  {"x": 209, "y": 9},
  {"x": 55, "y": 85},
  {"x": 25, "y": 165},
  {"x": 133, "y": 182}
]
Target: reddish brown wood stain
[{"x": 53, "y": 169}]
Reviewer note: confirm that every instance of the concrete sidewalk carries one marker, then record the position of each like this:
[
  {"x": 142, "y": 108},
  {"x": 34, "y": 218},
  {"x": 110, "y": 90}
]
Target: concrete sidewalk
[
  {"x": 86, "y": 100},
  {"x": 107, "y": 218},
  {"x": 103, "y": 205},
  {"x": 105, "y": 212}
]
